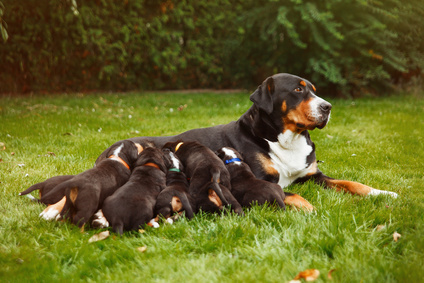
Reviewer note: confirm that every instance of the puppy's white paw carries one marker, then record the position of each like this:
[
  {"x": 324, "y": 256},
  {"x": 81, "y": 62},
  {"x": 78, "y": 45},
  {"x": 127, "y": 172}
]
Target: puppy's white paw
[
  {"x": 153, "y": 223},
  {"x": 375, "y": 192},
  {"x": 50, "y": 213},
  {"x": 170, "y": 220},
  {"x": 99, "y": 220}
]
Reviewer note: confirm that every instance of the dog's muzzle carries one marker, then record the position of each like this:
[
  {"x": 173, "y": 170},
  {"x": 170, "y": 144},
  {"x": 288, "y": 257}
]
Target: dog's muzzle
[{"x": 320, "y": 112}]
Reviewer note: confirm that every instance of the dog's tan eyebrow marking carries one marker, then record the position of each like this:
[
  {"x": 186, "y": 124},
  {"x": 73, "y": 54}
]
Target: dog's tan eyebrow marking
[
  {"x": 313, "y": 87},
  {"x": 284, "y": 106},
  {"x": 303, "y": 83}
]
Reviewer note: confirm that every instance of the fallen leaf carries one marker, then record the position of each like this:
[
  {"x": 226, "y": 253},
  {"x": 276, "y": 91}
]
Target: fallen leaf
[
  {"x": 98, "y": 237},
  {"x": 51, "y": 153},
  {"x": 329, "y": 274},
  {"x": 2, "y": 146},
  {"x": 380, "y": 227},
  {"x": 12, "y": 153},
  {"x": 141, "y": 231},
  {"x": 308, "y": 275},
  {"x": 330, "y": 137},
  {"x": 67, "y": 134},
  {"x": 142, "y": 249},
  {"x": 396, "y": 236}
]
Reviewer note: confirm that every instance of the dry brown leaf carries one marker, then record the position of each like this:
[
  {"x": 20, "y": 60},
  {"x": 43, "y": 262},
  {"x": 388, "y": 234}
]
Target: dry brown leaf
[
  {"x": 380, "y": 227},
  {"x": 396, "y": 236},
  {"x": 98, "y": 237},
  {"x": 12, "y": 153},
  {"x": 141, "y": 231},
  {"x": 308, "y": 275},
  {"x": 329, "y": 275},
  {"x": 142, "y": 249},
  {"x": 2, "y": 146}
]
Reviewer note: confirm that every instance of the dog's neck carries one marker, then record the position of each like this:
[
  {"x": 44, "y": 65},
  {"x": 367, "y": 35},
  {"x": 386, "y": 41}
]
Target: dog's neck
[
  {"x": 259, "y": 124},
  {"x": 120, "y": 160},
  {"x": 151, "y": 164}
]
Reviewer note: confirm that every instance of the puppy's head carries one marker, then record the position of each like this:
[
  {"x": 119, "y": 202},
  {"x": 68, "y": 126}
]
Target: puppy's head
[
  {"x": 291, "y": 103},
  {"x": 152, "y": 155},
  {"x": 229, "y": 155},
  {"x": 172, "y": 161},
  {"x": 126, "y": 150}
]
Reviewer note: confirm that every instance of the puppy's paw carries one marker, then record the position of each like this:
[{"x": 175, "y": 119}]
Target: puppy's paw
[
  {"x": 99, "y": 220},
  {"x": 153, "y": 223},
  {"x": 50, "y": 213},
  {"x": 375, "y": 192},
  {"x": 170, "y": 220}
]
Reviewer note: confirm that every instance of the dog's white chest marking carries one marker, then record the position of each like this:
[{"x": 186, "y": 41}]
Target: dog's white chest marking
[{"x": 289, "y": 157}]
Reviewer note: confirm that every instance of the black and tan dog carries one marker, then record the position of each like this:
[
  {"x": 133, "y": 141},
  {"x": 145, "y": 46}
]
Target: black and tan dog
[
  {"x": 273, "y": 136},
  {"x": 86, "y": 191},
  {"x": 209, "y": 179},
  {"x": 132, "y": 205},
  {"x": 246, "y": 188},
  {"x": 175, "y": 197}
]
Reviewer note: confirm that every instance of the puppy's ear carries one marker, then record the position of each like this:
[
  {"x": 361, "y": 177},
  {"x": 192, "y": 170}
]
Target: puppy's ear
[{"x": 262, "y": 97}]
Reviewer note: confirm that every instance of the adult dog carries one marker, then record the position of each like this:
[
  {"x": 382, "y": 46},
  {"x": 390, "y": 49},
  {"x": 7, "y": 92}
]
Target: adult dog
[{"x": 273, "y": 136}]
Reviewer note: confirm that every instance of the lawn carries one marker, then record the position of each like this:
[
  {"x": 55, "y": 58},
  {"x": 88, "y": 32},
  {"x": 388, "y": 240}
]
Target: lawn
[{"x": 375, "y": 141}]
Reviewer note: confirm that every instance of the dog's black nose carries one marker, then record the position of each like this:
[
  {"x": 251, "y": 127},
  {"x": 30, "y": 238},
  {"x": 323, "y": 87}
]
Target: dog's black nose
[{"x": 325, "y": 107}]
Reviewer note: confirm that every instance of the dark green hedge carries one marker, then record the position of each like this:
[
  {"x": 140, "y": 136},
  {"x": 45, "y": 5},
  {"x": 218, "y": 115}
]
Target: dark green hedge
[{"x": 342, "y": 46}]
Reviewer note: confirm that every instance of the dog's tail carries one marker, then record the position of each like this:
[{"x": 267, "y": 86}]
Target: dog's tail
[
  {"x": 32, "y": 188},
  {"x": 186, "y": 205}
]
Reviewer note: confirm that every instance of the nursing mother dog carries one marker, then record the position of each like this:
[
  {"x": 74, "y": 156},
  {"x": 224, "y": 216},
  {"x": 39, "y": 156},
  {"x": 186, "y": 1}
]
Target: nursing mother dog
[{"x": 273, "y": 137}]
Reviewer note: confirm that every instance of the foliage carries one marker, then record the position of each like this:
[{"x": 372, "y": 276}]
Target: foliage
[
  {"x": 43, "y": 136},
  {"x": 342, "y": 46}
]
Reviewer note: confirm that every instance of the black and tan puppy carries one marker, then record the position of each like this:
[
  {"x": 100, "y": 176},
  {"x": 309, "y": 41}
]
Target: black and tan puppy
[
  {"x": 245, "y": 187},
  {"x": 45, "y": 187},
  {"x": 132, "y": 205},
  {"x": 86, "y": 191},
  {"x": 209, "y": 179},
  {"x": 175, "y": 197}
]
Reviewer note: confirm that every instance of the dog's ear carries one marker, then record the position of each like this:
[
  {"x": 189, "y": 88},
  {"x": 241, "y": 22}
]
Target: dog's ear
[{"x": 262, "y": 96}]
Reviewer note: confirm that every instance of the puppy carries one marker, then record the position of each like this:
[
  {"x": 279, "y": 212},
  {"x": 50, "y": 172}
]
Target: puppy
[
  {"x": 45, "y": 187},
  {"x": 175, "y": 197},
  {"x": 245, "y": 187},
  {"x": 86, "y": 191},
  {"x": 209, "y": 179},
  {"x": 131, "y": 206}
]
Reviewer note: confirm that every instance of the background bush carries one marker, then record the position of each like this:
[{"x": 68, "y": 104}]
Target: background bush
[{"x": 344, "y": 47}]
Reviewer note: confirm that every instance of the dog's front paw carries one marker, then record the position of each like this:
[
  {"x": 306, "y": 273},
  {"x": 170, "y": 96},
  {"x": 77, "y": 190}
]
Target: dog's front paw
[{"x": 375, "y": 192}]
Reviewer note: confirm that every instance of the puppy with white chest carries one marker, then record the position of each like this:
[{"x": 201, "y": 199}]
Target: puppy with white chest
[
  {"x": 86, "y": 191},
  {"x": 175, "y": 197},
  {"x": 132, "y": 205},
  {"x": 245, "y": 187},
  {"x": 209, "y": 179}
]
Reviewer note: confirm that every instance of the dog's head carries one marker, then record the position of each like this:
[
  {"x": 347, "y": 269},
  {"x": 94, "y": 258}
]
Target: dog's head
[
  {"x": 125, "y": 151},
  {"x": 152, "y": 155},
  {"x": 291, "y": 103}
]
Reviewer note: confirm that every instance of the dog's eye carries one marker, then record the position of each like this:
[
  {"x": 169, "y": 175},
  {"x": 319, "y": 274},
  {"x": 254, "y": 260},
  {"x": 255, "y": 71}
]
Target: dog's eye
[{"x": 298, "y": 89}]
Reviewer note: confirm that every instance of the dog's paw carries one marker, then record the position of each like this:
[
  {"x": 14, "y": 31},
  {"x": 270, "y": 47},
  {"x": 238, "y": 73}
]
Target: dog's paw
[
  {"x": 50, "y": 213},
  {"x": 153, "y": 223},
  {"x": 99, "y": 220},
  {"x": 170, "y": 220},
  {"x": 375, "y": 192}
]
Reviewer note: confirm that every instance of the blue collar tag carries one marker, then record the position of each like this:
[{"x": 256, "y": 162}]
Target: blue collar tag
[{"x": 232, "y": 160}]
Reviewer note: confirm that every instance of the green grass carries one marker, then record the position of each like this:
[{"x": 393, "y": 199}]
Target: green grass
[{"x": 378, "y": 142}]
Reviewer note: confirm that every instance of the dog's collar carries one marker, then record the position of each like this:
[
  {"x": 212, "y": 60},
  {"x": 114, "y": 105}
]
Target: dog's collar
[
  {"x": 174, "y": 170},
  {"x": 232, "y": 160},
  {"x": 151, "y": 164},
  {"x": 120, "y": 160}
]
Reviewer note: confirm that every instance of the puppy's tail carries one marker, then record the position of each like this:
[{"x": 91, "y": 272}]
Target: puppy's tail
[{"x": 32, "y": 188}]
